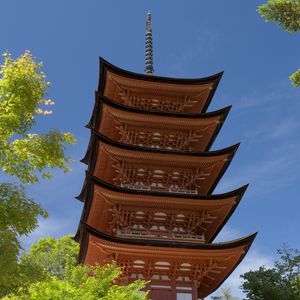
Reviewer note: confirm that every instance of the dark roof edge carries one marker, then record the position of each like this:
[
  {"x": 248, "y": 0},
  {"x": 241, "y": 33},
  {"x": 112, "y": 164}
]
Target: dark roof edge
[
  {"x": 230, "y": 151},
  {"x": 239, "y": 197},
  {"x": 105, "y": 65},
  {"x": 111, "y": 142},
  {"x": 101, "y": 98},
  {"x": 91, "y": 178},
  {"x": 239, "y": 261},
  {"x": 239, "y": 192},
  {"x": 225, "y": 167},
  {"x": 169, "y": 244},
  {"x": 90, "y": 181}
]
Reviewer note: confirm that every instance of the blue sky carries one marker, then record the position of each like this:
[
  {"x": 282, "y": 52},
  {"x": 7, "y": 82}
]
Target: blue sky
[{"x": 191, "y": 39}]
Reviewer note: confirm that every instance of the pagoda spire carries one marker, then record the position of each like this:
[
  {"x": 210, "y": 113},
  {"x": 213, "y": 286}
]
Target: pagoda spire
[{"x": 149, "y": 50}]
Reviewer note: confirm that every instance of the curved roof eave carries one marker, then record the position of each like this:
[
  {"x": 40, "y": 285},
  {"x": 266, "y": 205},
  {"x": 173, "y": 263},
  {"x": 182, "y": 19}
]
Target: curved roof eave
[
  {"x": 102, "y": 99},
  {"x": 92, "y": 153},
  {"x": 245, "y": 241},
  {"x": 86, "y": 196},
  {"x": 91, "y": 178},
  {"x": 104, "y": 66},
  {"x": 100, "y": 137}
]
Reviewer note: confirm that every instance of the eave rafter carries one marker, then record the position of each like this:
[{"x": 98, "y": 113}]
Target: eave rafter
[
  {"x": 158, "y": 130},
  {"x": 156, "y": 169},
  {"x": 117, "y": 211},
  {"x": 203, "y": 265},
  {"x": 157, "y": 93}
]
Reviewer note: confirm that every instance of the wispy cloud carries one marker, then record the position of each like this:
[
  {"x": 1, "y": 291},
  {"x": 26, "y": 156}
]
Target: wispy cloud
[
  {"x": 228, "y": 233},
  {"x": 285, "y": 128},
  {"x": 203, "y": 44},
  {"x": 272, "y": 131},
  {"x": 278, "y": 92},
  {"x": 50, "y": 227},
  {"x": 267, "y": 174},
  {"x": 253, "y": 260}
]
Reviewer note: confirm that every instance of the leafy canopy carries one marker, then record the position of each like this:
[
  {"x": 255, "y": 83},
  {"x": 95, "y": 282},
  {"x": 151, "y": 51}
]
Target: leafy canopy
[
  {"x": 280, "y": 282},
  {"x": 24, "y": 155},
  {"x": 286, "y": 13},
  {"x": 225, "y": 295},
  {"x": 86, "y": 283},
  {"x": 295, "y": 78},
  {"x": 52, "y": 255},
  {"x": 18, "y": 216},
  {"x": 55, "y": 276},
  {"x": 22, "y": 91}
]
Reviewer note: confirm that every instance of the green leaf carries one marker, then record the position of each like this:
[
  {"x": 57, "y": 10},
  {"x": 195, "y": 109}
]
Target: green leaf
[
  {"x": 295, "y": 78},
  {"x": 286, "y": 13}
]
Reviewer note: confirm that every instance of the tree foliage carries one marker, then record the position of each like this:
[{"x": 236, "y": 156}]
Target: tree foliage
[
  {"x": 24, "y": 155},
  {"x": 225, "y": 295},
  {"x": 49, "y": 272},
  {"x": 280, "y": 282},
  {"x": 52, "y": 255},
  {"x": 295, "y": 78},
  {"x": 86, "y": 283},
  {"x": 48, "y": 258},
  {"x": 286, "y": 13},
  {"x": 18, "y": 216},
  {"x": 22, "y": 91}
]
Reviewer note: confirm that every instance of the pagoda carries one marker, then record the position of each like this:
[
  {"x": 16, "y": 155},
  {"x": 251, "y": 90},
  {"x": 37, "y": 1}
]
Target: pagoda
[{"x": 148, "y": 191}]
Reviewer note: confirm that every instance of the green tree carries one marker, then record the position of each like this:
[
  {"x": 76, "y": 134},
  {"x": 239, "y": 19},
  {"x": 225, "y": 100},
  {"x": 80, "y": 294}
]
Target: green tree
[
  {"x": 48, "y": 258},
  {"x": 225, "y": 295},
  {"x": 24, "y": 155},
  {"x": 84, "y": 283},
  {"x": 286, "y": 13},
  {"x": 17, "y": 217},
  {"x": 52, "y": 255},
  {"x": 22, "y": 92},
  {"x": 280, "y": 282},
  {"x": 49, "y": 271}
]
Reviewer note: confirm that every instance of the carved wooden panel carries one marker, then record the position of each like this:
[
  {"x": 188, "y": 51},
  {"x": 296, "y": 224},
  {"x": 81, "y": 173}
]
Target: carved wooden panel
[
  {"x": 169, "y": 179},
  {"x": 160, "y": 138},
  {"x": 159, "y": 131},
  {"x": 160, "y": 224},
  {"x": 158, "y": 95},
  {"x": 156, "y": 101},
  {"x": 201, "y": 267},
  {"x": 163, "y": 271}
]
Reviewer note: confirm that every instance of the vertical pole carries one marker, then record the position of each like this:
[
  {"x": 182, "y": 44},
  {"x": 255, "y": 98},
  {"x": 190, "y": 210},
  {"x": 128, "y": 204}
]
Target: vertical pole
[{"x": 149, "y": 50}]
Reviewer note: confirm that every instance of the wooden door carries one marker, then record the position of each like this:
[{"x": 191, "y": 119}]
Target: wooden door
[{"x": 162, "y": 295}]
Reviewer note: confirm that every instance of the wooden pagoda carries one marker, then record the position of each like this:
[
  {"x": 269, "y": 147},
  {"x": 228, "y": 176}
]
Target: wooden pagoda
[{"x": 148, "y": 202}]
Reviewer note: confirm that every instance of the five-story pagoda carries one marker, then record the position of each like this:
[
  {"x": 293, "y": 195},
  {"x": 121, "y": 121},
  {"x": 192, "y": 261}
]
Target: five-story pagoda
[{"x": 148, "y": 202}]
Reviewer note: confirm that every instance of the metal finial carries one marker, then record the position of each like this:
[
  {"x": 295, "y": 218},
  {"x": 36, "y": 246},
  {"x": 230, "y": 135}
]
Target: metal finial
[{"x": 149, "y": 51}]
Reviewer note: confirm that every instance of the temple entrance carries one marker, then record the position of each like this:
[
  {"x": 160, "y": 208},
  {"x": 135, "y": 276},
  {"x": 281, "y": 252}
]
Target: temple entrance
[
  {"x": 181, "y": 296},
  {"x": 170, "y": 294},
  {"x": 161, "y": 295}
]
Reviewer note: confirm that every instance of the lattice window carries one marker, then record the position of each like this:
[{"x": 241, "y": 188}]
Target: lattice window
[
  {"x": 169, "y": 225},
  {"x": 179, "y": 180},
  {"x": 156, "y": 102},
  {"x": 172, "y": 270},
  {"x": 160, "y": 138}
]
